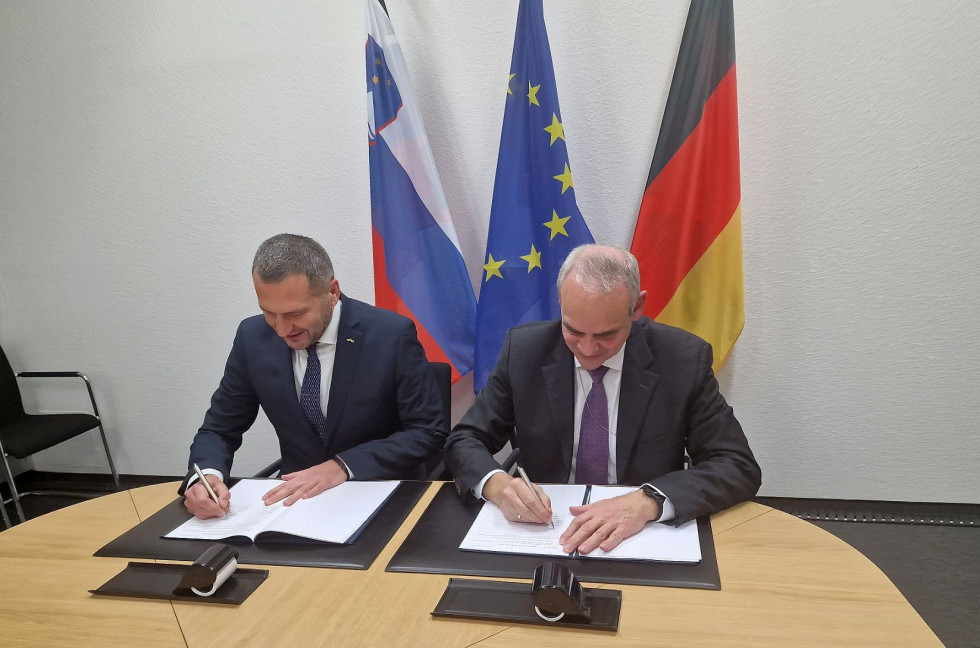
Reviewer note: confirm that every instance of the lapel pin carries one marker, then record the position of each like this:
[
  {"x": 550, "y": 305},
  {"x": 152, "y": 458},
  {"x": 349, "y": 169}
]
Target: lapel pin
[{"x": 350, "y": 340}]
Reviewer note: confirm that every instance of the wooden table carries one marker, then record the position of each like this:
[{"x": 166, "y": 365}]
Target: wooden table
[{"x": 784, "y": 582}]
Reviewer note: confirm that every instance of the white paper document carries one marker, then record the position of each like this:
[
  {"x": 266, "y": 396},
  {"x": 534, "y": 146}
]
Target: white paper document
[
  {"x": 491, "y": 531},
  {"x": 334, "y": 515}
]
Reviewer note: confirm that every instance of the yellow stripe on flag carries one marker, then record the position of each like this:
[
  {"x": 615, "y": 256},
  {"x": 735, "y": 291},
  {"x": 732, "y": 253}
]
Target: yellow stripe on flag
[{"x": 710, "y": 300}]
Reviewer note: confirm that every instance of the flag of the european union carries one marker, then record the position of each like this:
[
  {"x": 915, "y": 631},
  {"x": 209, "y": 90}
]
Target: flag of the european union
[{"x": 534, "y": 221}]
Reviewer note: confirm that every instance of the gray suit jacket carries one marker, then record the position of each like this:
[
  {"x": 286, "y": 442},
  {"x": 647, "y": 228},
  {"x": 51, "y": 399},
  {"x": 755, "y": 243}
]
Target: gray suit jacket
[{"x": 669, "y": 402}]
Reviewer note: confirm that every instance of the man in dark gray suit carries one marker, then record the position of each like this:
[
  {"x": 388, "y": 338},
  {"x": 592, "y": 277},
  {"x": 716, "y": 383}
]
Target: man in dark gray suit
[
  {"x": 346, "y": 385},
  {"x": 604, "y": 395}
]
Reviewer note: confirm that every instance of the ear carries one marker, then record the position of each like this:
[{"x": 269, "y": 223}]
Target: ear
[{"x": 638, "y": 306}]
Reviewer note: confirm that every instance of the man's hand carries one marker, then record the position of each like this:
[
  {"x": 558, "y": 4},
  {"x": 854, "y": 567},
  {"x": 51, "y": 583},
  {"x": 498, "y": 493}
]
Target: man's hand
[
  {"x": 199, "y": 504},
  {"x": 516, "y": 501},
  {"x": 608, "y": 522},
  {"x": 308, "y": 483}
]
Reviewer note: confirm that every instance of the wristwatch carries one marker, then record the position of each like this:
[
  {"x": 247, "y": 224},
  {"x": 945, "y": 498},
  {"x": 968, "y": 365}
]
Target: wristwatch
[
  {"x": 343, "y": 466},
  {"x": 656, "y": 496}
]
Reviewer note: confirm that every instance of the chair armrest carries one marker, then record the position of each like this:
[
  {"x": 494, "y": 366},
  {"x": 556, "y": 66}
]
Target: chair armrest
[
  {"x": 64, "y": 374},
  {"x": 49, "y": 374},
  {"x": 511, "y": 460},
  {"x": 269, "y": 470}
]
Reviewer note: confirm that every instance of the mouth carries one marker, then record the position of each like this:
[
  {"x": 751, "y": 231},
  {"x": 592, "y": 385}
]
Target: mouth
[{"x": 588, "y": 361}]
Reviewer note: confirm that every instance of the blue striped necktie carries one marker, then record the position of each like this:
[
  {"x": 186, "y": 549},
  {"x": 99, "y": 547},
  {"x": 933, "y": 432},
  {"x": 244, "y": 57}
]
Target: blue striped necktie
[
  {"x": 592, "y": 459},
  {"x": 309, "y": 398}
]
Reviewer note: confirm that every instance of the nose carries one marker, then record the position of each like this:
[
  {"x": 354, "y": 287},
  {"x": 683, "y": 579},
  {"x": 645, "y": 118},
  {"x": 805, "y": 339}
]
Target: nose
[
  {"x": 588, "y": 346},
  {"x": 282, "y": 327}
]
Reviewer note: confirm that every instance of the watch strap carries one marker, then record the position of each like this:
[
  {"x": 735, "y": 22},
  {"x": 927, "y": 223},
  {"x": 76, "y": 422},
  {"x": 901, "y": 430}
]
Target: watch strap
[{"x": 656, "y": 496}]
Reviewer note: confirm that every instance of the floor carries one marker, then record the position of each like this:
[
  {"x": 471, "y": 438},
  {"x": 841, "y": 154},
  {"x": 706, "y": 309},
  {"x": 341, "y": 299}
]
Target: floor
[{"x": 930, "y": 551}]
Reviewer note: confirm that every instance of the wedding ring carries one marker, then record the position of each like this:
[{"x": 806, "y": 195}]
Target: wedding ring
[{"x": 518, "y": 516}]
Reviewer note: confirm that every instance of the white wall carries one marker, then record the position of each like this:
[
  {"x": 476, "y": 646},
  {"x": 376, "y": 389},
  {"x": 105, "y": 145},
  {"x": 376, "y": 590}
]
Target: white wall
[{"x": 148, "y": 147}]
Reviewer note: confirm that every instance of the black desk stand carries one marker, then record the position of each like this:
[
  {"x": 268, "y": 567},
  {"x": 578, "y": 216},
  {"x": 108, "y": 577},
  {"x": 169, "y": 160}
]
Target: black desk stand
[
  {"x": 554, "y": 597},
  {"x": 213, "y": 578}
]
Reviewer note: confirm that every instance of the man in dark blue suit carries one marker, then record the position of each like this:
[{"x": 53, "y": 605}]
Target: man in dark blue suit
[{"x": 346, "y": 385}]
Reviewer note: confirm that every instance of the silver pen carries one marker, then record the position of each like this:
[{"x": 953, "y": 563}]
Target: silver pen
[
  {"x": 536, "y": 493},
  {"x": 207, "y": 485}
]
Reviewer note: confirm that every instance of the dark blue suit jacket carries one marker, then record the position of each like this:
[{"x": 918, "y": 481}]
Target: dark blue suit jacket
[
  {"x": 384, "y": 413},
  {"x": 669, "y": 403}
]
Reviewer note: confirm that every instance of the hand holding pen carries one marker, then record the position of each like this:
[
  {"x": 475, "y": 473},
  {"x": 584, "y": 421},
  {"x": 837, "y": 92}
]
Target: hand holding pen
[
  {"x": 206, "y": 500},
  {"x": 537, "y": 494},
  {"x": 518, "y": 498}
]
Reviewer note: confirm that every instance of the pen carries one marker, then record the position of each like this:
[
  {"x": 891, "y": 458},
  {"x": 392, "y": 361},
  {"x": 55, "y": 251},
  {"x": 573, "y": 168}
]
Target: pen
[
  {"x": 536, "y": 494},
  {"x": 586, "y": 497},
  {"x": 207, "y": 485}
]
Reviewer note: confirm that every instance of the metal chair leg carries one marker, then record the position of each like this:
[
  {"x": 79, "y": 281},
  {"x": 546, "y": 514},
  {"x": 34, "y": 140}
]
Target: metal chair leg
[
  {"x": 3, "y": 502},
  {"x": 13, "y": 488},
  {"x": 6, "y": 519},
  {"x": 112, "y": 466},
  {"x": 105, "y": 443}
]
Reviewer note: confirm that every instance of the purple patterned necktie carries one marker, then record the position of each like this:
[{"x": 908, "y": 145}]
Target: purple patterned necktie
[
  {"x": 592, "y": 460},
  {"x": 309, "y": 398}
]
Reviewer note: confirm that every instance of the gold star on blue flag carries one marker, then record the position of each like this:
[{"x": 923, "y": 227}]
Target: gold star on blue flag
[{"x": 533, "y": 186}]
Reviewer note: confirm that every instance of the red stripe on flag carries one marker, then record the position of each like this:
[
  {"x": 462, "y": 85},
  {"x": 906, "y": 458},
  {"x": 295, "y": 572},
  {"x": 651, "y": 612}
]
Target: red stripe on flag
[
  {"x": 690, "y": 202},
  {"x": 386, "y": 297}
]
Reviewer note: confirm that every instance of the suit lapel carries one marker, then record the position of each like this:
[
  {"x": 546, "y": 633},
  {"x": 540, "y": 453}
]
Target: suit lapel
[
  {"x": 559, "y": 385},
  {"x": 282, "y": 380},
  {"x": 636, "y": 391},
  {"x": 348, "y": 352}
]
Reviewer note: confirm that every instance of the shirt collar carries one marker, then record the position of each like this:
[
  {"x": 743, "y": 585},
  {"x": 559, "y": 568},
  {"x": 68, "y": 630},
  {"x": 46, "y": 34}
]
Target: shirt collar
[{"x": 330, "y": 333}]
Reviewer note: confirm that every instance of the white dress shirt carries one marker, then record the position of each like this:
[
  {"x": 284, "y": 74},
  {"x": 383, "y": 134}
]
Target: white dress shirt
[{"x": 326, "y": 351}]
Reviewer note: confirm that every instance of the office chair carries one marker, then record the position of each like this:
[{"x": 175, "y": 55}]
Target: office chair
[
  {"x": 435, "y": 469},
  {"x": 23, "y": 434}
]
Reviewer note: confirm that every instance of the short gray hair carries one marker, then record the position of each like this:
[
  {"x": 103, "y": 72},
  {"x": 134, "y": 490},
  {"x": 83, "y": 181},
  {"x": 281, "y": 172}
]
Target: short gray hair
[
  {"x": 289, "y": 254},
  {"x": 600, "y": 268}
]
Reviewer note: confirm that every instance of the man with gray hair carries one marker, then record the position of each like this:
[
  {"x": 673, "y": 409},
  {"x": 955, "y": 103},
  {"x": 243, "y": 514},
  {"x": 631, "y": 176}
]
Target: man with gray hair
[
  {"x": 346, "y": 385},
  {"x": 604, "y": 396}
]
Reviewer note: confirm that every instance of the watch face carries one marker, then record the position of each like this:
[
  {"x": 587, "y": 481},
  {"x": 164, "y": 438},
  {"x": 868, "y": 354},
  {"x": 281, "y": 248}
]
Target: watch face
[{"x": 652, "y": 493}]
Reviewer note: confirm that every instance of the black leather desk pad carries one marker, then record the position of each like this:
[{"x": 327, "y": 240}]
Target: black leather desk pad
[
  {"x": 145, "y": 541},
  {"x": 158, "y": 581},
  {"x": 432, "y": 547}
]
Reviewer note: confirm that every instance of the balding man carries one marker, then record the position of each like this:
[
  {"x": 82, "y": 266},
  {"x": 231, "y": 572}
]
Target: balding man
[{"x": 604, "y": 396}]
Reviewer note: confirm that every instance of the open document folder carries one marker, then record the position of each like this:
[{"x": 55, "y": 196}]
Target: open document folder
[
  {"x": 336, "y": 515},
  {"x": 491, "y": 531}
]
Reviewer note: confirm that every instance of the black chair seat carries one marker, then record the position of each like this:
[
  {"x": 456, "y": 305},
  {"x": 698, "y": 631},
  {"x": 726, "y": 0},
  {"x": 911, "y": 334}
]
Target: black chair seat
[{"x": 32, "y": 433}]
